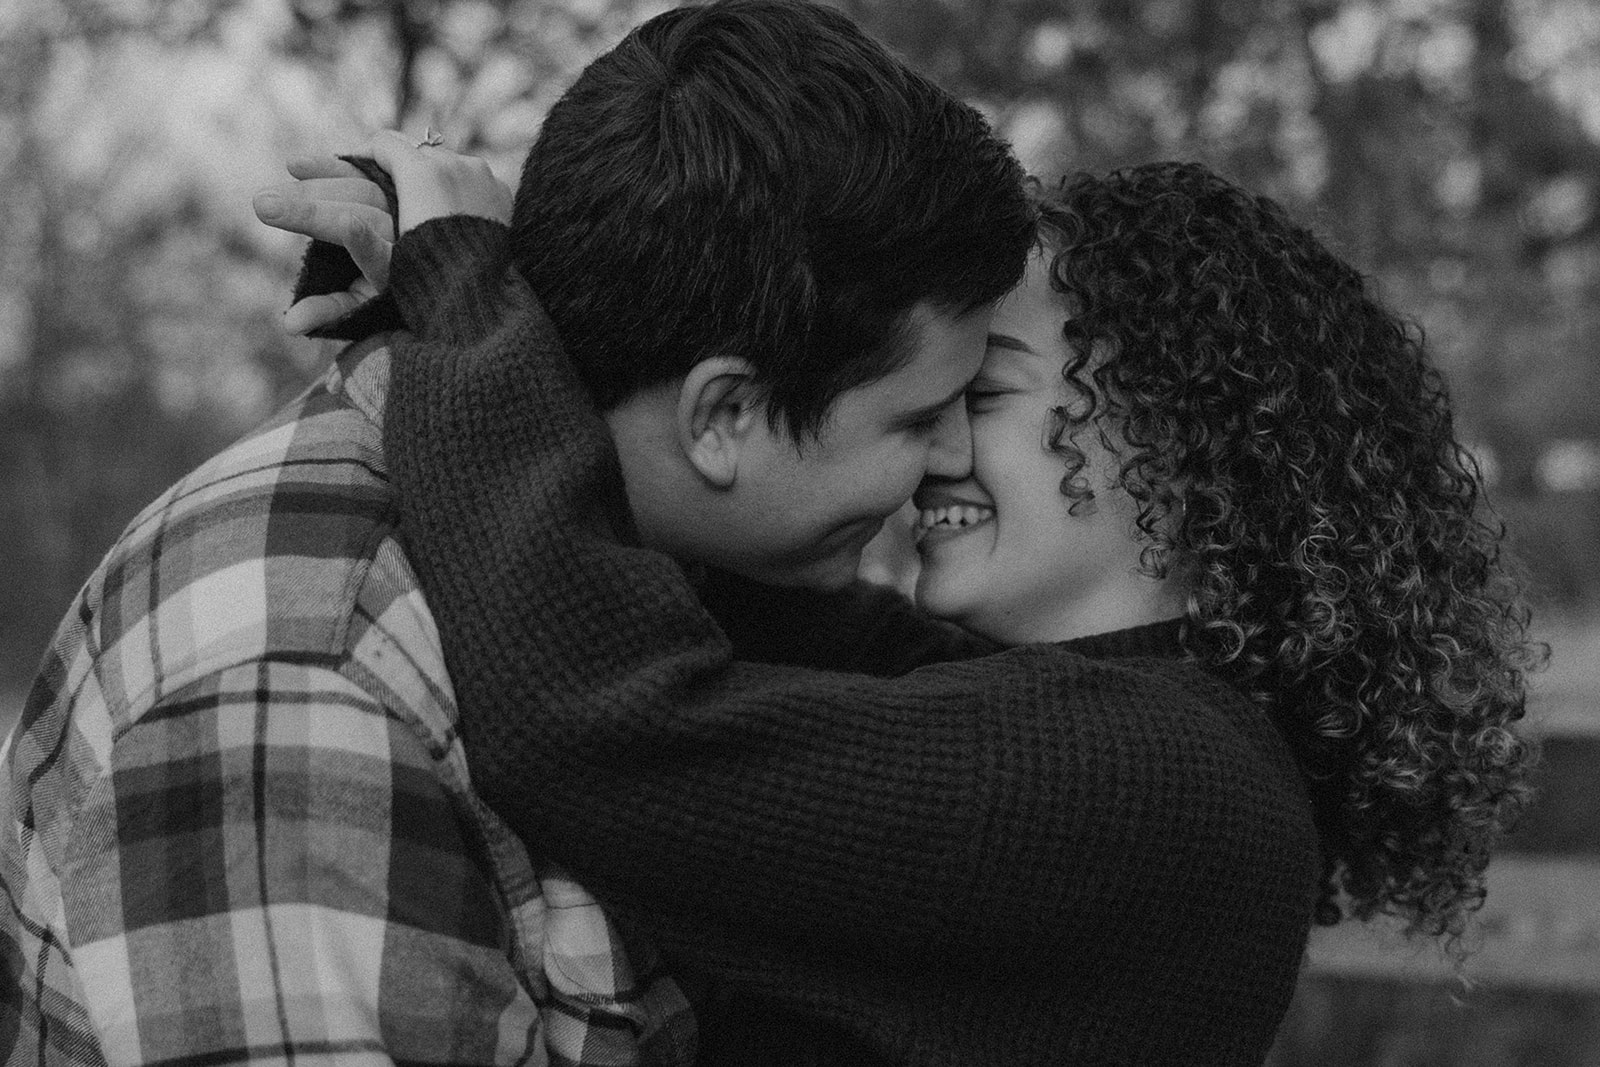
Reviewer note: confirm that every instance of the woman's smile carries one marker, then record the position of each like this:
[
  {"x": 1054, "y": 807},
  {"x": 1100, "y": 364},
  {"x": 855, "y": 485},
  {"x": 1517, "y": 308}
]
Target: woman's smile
[{"x": 942, "y": 522}]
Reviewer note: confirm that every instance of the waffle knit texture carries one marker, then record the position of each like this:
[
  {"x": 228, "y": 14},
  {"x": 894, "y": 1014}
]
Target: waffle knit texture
[{"x": 1048, "y": 855}]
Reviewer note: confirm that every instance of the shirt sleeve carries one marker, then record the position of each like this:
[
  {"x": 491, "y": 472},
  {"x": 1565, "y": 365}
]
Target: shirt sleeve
[
  {"x": 864, "y": 628},
  {"x": 271, "y": 868}
]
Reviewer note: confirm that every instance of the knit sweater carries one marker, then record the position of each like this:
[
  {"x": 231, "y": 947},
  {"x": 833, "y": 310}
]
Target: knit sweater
[{"x": 1054, "y": 854}]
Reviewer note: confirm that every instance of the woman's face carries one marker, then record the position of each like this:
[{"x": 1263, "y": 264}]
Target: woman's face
[{"x": 1002, "y": 552}]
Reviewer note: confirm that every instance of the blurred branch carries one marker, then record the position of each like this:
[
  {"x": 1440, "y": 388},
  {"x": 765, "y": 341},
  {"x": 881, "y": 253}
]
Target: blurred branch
[
  {"x": 168, "y": 21},
  {"x": 1435, "y": 151},
  {"x": 412, "y": 23}
]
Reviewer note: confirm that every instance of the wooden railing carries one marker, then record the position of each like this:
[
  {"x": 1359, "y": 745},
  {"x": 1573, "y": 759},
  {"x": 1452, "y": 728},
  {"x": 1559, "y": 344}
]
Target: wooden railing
[{"x": 1539, "y": 927}]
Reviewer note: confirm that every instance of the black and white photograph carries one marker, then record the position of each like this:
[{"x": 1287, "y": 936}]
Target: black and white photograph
[{"x": 800, "y": 533}]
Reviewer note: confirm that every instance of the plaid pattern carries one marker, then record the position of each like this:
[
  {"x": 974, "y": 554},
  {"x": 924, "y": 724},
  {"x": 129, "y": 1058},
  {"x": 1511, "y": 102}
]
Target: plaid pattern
[{"x": 236, "y": 824}]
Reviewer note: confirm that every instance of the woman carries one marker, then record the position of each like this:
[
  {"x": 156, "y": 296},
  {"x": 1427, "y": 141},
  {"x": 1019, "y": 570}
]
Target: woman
[
  {"x": 1281, "y": 445},
  {"x": 1192, "y": 409},
  {"x": 1216, "y": 506}
]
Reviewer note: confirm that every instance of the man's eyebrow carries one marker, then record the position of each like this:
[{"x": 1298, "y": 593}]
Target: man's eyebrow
[{"x": 1006, "y": 341}]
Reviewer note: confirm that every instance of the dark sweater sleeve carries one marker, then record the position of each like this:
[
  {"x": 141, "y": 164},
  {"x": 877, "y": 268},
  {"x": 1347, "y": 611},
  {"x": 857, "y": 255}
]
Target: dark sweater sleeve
[
  {"x": 865, "y": 628},
  {"x": 755, "y": 810}
]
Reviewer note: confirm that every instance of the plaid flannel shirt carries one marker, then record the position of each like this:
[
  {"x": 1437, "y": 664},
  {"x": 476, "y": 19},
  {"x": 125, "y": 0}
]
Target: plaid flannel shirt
[{"x": 236, "y": 824}]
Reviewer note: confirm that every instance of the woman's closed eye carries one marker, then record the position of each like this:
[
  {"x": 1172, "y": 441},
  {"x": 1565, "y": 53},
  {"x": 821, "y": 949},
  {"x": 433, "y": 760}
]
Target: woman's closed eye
[{"x": 981, "y": 398}]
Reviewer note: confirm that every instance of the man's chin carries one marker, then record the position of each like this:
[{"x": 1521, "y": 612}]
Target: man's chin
[{"x": 833, "y": 582}]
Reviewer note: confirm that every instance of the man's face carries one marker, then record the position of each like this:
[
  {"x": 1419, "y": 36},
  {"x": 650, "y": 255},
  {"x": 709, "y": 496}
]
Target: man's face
[{"x": 804, "y": 513}]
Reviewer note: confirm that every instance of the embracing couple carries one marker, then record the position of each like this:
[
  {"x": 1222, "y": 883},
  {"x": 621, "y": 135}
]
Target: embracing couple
[{"x": 510, "y": 697}]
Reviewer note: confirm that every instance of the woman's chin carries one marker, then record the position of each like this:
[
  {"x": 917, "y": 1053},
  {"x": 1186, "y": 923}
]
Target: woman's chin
[
  {"x": 945, "y": 593},
  {"x": 968, "y": 601}
]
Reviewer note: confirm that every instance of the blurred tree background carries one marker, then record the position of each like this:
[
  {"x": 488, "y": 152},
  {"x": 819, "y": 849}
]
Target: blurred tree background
[{"x": 1451, "y": 148}]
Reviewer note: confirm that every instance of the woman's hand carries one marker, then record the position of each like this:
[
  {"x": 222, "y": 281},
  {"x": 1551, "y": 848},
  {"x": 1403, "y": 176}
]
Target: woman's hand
[
  {"x": 431, "y": 181},
  {"x": 331, "y": 200}
]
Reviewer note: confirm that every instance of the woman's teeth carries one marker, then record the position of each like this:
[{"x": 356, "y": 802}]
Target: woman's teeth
[{"x": 955, "y": 517}]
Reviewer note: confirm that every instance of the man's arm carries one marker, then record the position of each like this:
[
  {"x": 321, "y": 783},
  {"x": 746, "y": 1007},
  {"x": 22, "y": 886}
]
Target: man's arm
[{"x": 271, "y": 867}]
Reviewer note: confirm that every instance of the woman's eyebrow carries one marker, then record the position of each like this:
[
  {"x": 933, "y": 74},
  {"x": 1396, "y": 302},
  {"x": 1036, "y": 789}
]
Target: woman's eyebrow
[{"x": 1004, "y": 340}]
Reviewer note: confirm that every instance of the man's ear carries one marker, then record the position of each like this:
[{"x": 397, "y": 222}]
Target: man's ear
[{"x": 718, "y": 404}]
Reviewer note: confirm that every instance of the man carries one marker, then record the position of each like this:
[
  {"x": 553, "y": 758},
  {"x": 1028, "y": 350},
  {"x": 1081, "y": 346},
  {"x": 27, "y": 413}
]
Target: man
[{"x": 238, "y": 822}]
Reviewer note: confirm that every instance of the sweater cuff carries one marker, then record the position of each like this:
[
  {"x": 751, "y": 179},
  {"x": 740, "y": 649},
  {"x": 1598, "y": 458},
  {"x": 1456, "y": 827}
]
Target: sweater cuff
[{"x": 447, "y": 277}]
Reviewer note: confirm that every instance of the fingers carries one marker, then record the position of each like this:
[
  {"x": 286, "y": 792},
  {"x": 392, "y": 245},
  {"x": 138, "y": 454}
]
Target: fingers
[
  {"x": 324, "y": 213},
  {"x": 331, "y": 200},
  {"x": 314, "y": 311},
  {"x": 357, "y": 190},
  {"x": 371, "y": 252},
  {"x": 334, "y": 193},
  {"x": 321, "y": 167}
]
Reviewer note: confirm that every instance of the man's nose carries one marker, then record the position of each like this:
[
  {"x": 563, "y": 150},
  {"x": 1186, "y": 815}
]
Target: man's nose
[{"x": 950, "y": 455}]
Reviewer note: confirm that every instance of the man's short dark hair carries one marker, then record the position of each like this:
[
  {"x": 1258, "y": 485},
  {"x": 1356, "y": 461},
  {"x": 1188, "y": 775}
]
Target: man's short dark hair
[{"x": 759, "y": 178}]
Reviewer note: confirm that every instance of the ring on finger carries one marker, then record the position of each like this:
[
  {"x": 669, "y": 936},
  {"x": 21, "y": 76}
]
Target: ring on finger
[{"x": 431, "y": 138}]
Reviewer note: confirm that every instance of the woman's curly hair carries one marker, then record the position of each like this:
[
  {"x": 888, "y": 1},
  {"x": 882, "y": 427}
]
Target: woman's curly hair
[{"x": 1290, "y": 447}]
